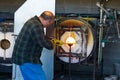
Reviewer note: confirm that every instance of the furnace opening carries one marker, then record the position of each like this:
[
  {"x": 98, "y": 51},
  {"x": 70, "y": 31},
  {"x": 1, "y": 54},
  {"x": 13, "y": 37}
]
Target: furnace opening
[{"x": 79, "y": 33}]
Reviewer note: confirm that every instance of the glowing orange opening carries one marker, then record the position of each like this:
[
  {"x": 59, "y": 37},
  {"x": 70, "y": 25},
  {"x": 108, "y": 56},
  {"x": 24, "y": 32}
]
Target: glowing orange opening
[{"x": 70, "y": 41}]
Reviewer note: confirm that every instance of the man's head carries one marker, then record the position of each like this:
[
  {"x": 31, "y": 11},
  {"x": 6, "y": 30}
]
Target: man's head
[{"x": 47, "y": 18}]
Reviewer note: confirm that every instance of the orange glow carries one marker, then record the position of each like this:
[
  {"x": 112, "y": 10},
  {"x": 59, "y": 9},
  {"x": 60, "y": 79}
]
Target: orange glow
[{"x": 70, "y": 40}]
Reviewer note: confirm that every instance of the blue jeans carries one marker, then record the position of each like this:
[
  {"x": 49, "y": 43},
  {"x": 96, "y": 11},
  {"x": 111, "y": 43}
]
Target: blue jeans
[{"x": 32, "y": 71}]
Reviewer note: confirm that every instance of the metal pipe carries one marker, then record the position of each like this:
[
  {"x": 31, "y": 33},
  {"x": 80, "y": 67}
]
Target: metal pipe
[
  {"x": 100, "y": 36},
  {"x": 117, "y": 24},
  {"x": 102, "y": 8}
]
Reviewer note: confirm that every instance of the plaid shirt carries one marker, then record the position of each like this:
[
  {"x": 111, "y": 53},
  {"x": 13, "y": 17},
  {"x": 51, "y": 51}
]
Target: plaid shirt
[{"x": 30, "y": 42}]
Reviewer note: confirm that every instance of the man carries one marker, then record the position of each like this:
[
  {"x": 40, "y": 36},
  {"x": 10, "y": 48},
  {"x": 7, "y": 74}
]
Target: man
[{"x": 29, "y": 45}]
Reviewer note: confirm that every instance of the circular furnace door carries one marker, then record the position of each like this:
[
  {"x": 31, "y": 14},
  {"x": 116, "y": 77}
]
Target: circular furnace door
[
  {"x": 6, "y": 44},
  {"x": 6, "y": 49},
  {"x": 82, "y": 32}
]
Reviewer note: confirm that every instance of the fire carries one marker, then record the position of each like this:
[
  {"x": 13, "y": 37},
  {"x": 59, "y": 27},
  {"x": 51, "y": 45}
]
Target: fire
[{"x": 70, "y": 41}]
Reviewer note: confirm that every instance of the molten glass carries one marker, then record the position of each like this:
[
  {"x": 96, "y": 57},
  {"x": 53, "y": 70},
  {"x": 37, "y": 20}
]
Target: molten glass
[{"x": 70, "y": 41}]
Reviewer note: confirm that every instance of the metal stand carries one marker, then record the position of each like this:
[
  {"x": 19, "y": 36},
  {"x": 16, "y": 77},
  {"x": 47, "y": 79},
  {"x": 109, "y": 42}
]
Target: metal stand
[
  {"x": 100, "y": 34},
  {"x": 103, "y": 13},
  {"x": 70, "y": 78}
]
